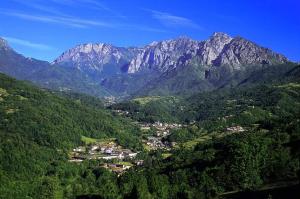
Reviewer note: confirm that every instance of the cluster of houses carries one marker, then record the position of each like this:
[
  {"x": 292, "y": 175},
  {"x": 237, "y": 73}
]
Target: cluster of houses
[
  {"x": 109, "y": 100},
  {"x": 121, "y": 167},
  {"x": 155, "y": 143},
  {"x": 116, "y": 168},
  {"x": 101, "y": 151},
  {"x": 162, "y": 130},
  {"x": 121, "y": 112}
]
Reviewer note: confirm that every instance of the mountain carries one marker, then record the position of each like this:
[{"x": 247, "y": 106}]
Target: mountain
[
  {"x": 98, "y": 58},
  {"x": 175, "y": 66},
  {"x": 171, "y": 66},
  {"x": 46, "y": 75},
  {"x": 163, "y": 56},
  {"x": 17, "y": 65},
  {"x": 219, "y": 60}
]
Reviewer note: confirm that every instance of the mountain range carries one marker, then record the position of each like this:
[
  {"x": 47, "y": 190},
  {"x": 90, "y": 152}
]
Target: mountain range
[{"x": 174, "y": 66}]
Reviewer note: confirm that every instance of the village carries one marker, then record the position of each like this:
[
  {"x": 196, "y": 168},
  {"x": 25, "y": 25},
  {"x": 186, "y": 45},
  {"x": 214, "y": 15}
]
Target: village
[
  {"x": 156, "y": 140},
  {"x": 118, "y": 159},
  {"x": 101, "y": 150}
]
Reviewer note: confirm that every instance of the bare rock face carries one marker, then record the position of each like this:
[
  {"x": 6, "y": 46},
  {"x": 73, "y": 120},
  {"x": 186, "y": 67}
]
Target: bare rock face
[
  {"x": 219, "y": 50},
  {"x": 94, "y": 57},
  {"x": 241, "y": 52},
  {"x": 158, "y": 57},
  {"x": 161, "y": 56},
  {"x": 4, "y": 45},
  {"x": 211, "y": 48}
]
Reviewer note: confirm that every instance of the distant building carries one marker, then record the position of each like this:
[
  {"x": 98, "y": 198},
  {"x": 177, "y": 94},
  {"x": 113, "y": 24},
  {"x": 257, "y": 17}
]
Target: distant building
[
  {"x": 235, "y": 129},
  {"x": 79, "y": 149}
]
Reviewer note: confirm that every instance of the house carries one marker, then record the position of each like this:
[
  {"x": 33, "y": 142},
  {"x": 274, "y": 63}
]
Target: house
[
  {"x": 79, "y": 149},
  {"x": 116, "y": 168},
  {"x": 145, "y": 128},
  {"x": 94, "y": 147},
  {"x": 109, "y": 157},
  {"x": 235, "y": 129},
  {"x": 76, "y": 160},
  {"x": 139, "y": 162},
  {"x": 108, "y": 150}
]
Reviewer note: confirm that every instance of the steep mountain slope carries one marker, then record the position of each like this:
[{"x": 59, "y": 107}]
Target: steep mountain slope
[
  {"x": 220, "y": 49},
  {"x": 282, "y": 86},
  {"x": 38, "y": 129},
  {"x": 17, "y": 65},
  {"x": 169, "y": 67},
  {"x": 175, "y": 66},
  {"x": 46, "y": 75},
  {"x": 163, "y": 56},
  {"x": 102, "y": 59},
  {"x": 46, "y": 117},
  {"x": 218, "y": 61}
]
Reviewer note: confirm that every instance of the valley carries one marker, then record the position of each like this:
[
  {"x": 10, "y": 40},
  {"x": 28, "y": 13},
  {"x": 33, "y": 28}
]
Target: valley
[
  {"x": 150, "y": 141},
  {"x": 208, "y": 118}
]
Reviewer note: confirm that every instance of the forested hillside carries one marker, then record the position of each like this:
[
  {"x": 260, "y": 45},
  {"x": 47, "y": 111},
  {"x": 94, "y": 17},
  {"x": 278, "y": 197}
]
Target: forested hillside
[
  {"x": 210, "y": 161},
  {"x": 37, "y": 128}
]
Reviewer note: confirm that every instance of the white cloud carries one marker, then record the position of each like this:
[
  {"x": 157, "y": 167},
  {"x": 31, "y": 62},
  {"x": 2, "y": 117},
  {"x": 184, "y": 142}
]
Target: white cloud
[
  {"x": 89, "y": 4},
  {"x": 170, "y": 20},
  {"x": 28, "y": 43},
  {"x": 64, "y": 20},
  {"x": 80, "y": 23}
]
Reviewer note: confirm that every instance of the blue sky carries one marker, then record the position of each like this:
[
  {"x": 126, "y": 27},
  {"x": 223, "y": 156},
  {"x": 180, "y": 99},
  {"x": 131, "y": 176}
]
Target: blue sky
[{"x": 43, "y": 29}]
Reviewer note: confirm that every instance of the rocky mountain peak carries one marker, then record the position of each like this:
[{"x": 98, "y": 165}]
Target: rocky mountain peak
[
  {"x": 89, "y": 56},
  {"x": 220, "y": 35},
  {"x": 219, "y": 49},
  {"x": 4, "y": 44},
  {"x": 213, "y": 47},
  {"x": 242, "y": 52},
  {"x": 160, "y": 56}
]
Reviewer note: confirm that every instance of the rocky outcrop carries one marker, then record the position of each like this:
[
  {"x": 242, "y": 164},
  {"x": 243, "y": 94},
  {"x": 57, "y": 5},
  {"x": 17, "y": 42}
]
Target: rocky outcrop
[
  {"x": 241, "y": 52},
  {"x": 219, "y": 50},
  {"x": 4, "y": 45},
  {"x": 94, "y": 57},
  {"x": 162, "y": 56}
]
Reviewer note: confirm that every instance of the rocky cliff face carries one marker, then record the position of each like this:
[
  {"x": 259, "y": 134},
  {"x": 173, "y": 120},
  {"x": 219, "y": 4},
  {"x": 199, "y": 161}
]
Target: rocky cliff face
[
  {"x": 211, "y": 48},
  {"x": 162, "y": 56},
  {"x": 4, "y": 45},
  {"x": 95, "y": 57},
  {"x": 219, "y": 50},
  {"x": 178, "y": 64},
  {"x": 170, "y": 66},
  {"x": 241, "y": 52}
]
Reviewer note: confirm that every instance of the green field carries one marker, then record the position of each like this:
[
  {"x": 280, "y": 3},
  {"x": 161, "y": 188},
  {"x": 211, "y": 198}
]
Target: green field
[
  {"x": 146, "y": 100},
  {"x": 126, "y": 163}
]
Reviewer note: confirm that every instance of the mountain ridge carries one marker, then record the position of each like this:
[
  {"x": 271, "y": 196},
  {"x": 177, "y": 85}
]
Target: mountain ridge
[
  {"x": 171, "y": 66},
  {"x": 218, "y": 50}
]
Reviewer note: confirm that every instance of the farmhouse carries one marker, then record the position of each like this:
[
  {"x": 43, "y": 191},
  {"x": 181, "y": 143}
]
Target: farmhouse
[{"x": 235, "y": 129}]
